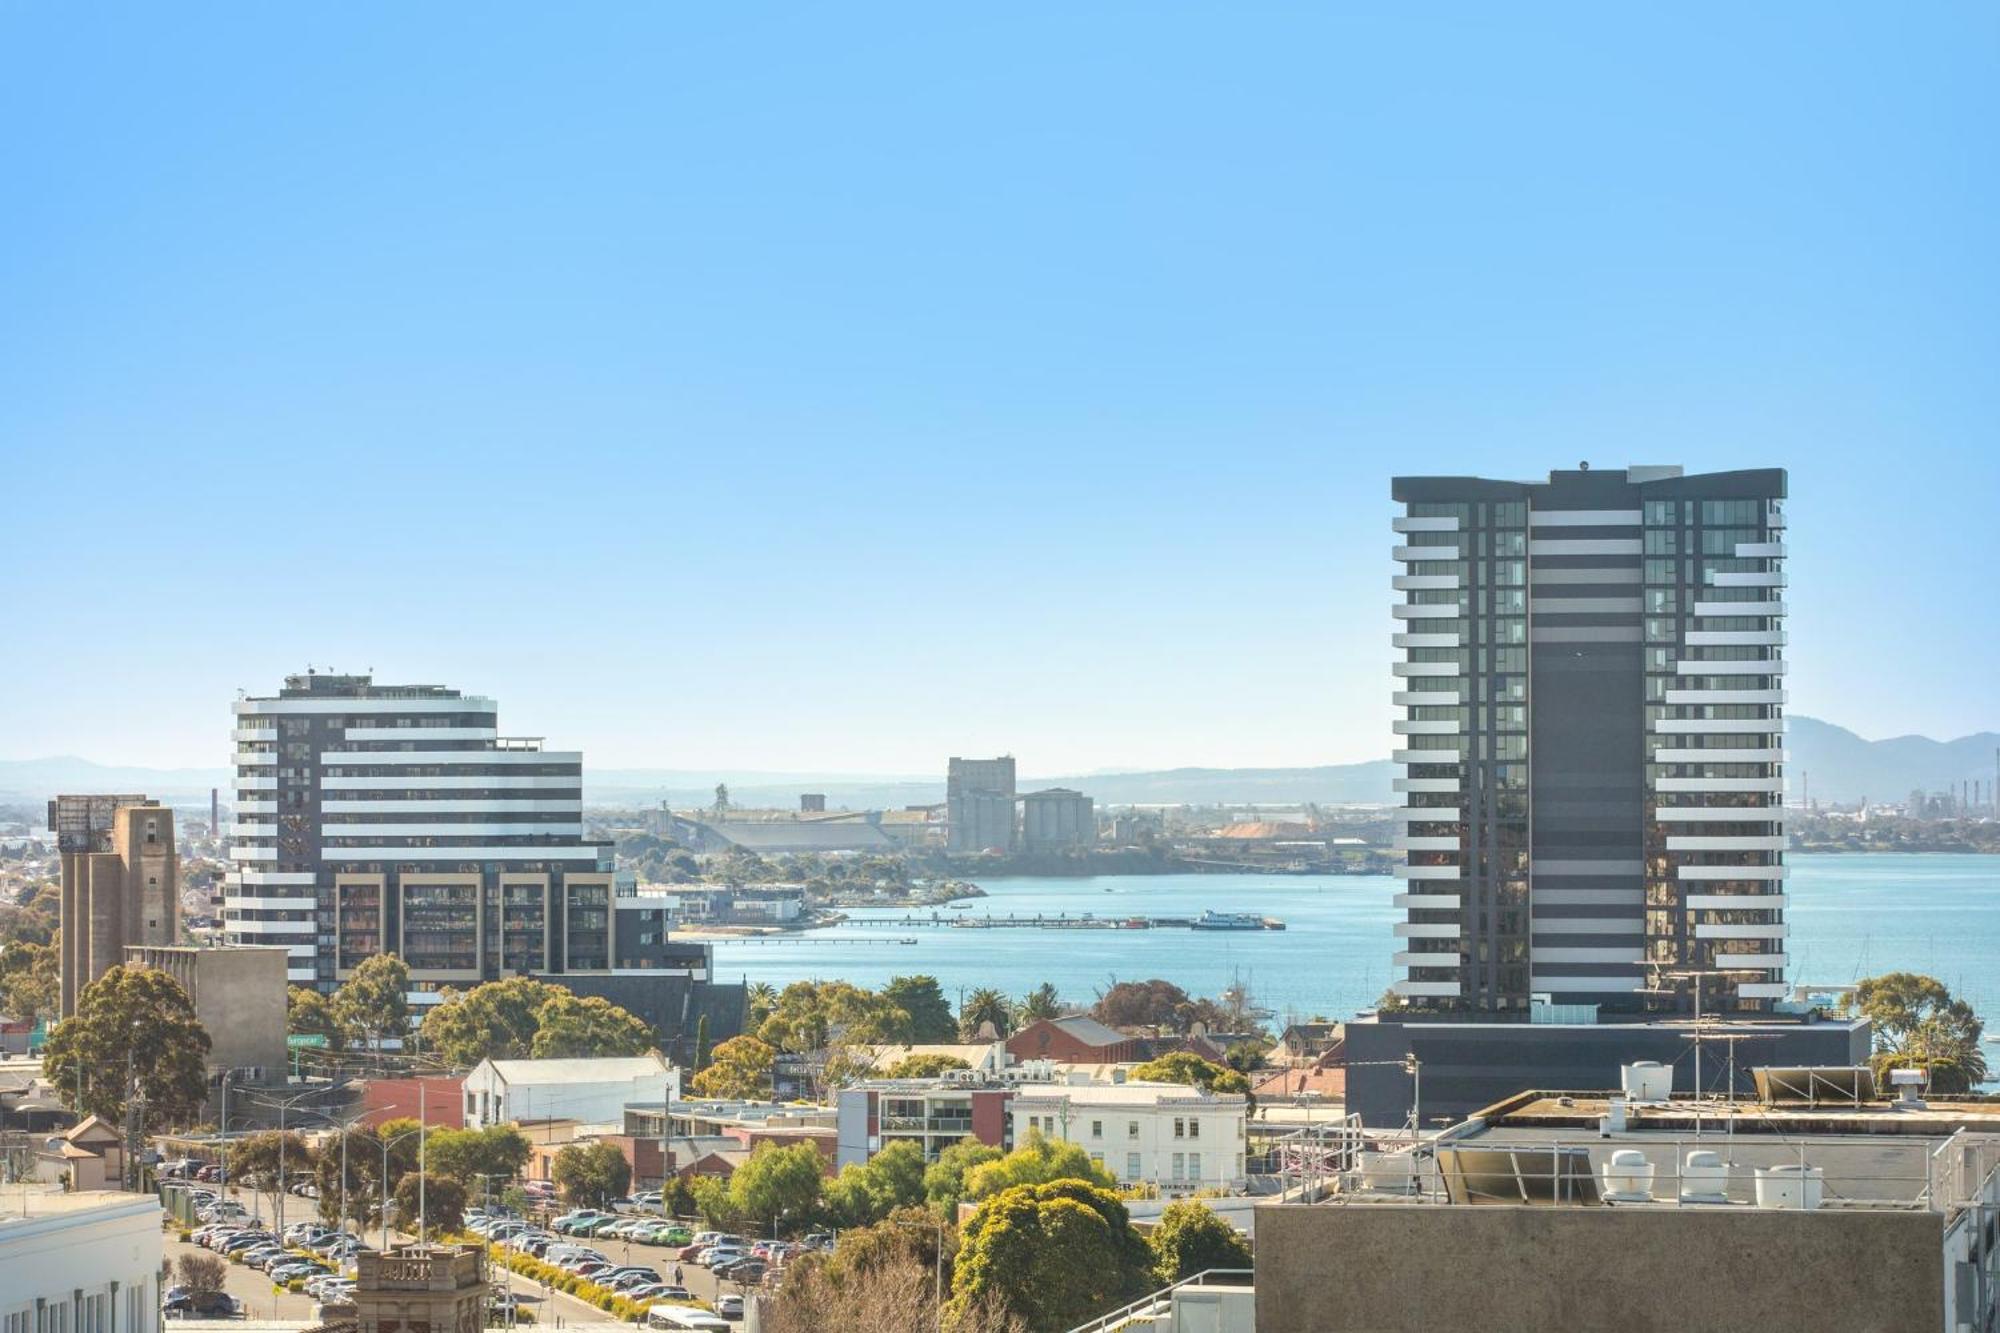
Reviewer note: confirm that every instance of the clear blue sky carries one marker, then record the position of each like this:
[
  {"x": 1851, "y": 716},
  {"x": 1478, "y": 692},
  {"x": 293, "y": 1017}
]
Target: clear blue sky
[{"x": 842, "y": 387}]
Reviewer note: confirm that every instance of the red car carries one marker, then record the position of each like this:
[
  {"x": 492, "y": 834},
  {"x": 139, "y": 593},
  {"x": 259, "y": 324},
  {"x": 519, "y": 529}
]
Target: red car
[{"x": 686, "y": 1253}]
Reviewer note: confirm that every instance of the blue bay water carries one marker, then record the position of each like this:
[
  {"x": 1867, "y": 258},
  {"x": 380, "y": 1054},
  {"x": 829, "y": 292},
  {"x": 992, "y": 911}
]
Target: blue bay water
[{"x": 1851, "y": 916}]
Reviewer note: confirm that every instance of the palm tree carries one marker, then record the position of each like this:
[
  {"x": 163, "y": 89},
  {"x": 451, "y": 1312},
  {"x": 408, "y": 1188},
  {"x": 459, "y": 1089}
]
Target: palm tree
[
  {"x": 759, "y": 1000},
  {"x": 982, "y": 1006},
  {"x": 1041, "y": 1002}
]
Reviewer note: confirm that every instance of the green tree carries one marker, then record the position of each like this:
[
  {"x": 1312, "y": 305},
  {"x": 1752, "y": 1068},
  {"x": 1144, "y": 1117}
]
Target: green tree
[
  {"x": 814, "y": 1015},
  {"x": 713, "y": 1203},
  {"x": 1154, "y": 1004},
  {"x": 740, "y": 1071},
  {"x": 777, "y": 1183},
  {"x": 1918, "y": 1024},
  {"x": 374, "y": 1001},
  {"x": 865, "y": 1193},
  {"x": 1036, "y": 1162},
  {"x": 309, "y": 1014},
  {"x": 133, "y": 1025},
  {"x": 30, "y": 979},
  {"x": 498, "y": 1151},
  {"x": 442, "y": 1201},
  {"x": 1039, "y": 1003},
  {"x": 1189, "y": 1068},
  {"x": 364, "y": 1167},
  {"x": 929, "y": 1065},
  {"x": 1190, "y": 1239},
  {"x": 494, "y": 1021},
  {"x": 929, "y": 1012},
  {"x": 944, "y": 1179},
  {"x": 759, "y": 1000},
  {"x": 271, "y": 1162},
  {"x": 985, "y": 1005},
  {"x": 576, "y": 1027},
  {"x": 591, "y": 1174},
  {"x": 1246, "y": 1057},
  {"x": 1055, "y": 1254}
]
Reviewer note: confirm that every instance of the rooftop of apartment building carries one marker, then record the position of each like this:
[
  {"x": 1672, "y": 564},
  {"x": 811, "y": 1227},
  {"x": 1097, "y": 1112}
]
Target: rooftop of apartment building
[{"x": 331, "y": 685}]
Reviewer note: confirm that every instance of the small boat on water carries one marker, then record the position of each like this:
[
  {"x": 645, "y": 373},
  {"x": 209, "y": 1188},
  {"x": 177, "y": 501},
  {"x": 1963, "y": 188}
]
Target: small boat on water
[
  {"x": 1214, "y": 920},
  {"x": 1135, "y": 923}
]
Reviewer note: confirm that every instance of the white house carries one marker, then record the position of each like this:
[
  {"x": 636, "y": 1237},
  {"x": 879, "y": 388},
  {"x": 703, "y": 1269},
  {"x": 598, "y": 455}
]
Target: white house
[
  {"x": 79, "y": 1263},
  {"x": 1176, "y": 1137},
  {"x": 498, "y": 1092}
]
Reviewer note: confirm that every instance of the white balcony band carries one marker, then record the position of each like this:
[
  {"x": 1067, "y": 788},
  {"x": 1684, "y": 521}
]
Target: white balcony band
[
  {"x": 1752, "y": 962},
  {"x": 255, "y": 808},
  {"x": 343, "y": 706},
  {"x": 1716, "y": 726},
  {"x": 254, "y": 759},
  {"x": 1455, "y": 755},
  {"x": 1417, "y": 670},
  {"x": 421, "y": 733},
  {"x": 1416, "y": 989},
  {"x": 1698, "y": 666},
  {"x": 1739, "y": 608},
  {"x": 1736, "y": 902},
  {"x": 1585, "y": 985},
  {"x": 1755, "y": 578},
  {"x": 1427, "y": 872},
  {"x": 472, "y": 828},
  {"x": 1426, "y": 902},
  {"x": 1425, "y": 611},
  {"x": 1403, "y": 842},
  {"x": 1760, "y": 550},
  {"x": 240, "y": 852},
  {"x": 1425, "y": 582},
  {"x": 1735, "y": 638},
  {"x": 269, "y": 927},
  {"x": 1700, "y": 843},
  {"x": 1719, "y": 784},
  {"x": 1585, "y": 518},
  {"x": 1426, "y": 698},
  {"x": 1763, "y": 990},
  {"x": 1424, "y": 784},
  {"x": 1720, "y": 814},
  {"x": 1422, "y": 930},
  {"x": 1405, "y": 958},
  {"x": 1410, "y": 554},
  {"x": 530, "y": 852},
  {"x": 1444, "y": 726},
  {"x": 1586, "y": 925},
  {"x": 1424, "y": 523},
  {"x": 243, "y": 783},
  {"x": 457, "y": 782},
  {"x": 1428, "y": 640},
  {"x": 244, "y": 877},
  {"x": 1776, "y": 930},
  {"x": 305, "y": 903},
  {"x": 1702, "y": 696},
  {"x": 1422, "y": 814},
  {"x": 1718, "y": 756},
  {"x": 1745, "y": 873},
  {"x": 447, "y": 805},
  {"x": 255, "y": 734},
  {"x": 334, "y": 758}
]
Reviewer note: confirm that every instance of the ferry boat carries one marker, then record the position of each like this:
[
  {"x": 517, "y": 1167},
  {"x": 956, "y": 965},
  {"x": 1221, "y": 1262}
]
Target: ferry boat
[{"x": 1214, "y": 920}]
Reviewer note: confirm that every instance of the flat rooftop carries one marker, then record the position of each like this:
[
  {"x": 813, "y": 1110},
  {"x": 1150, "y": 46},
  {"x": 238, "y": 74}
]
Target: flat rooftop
[{"x": 1939, "y": 1118}]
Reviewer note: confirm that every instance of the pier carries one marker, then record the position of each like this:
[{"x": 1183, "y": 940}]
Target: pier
[{"x": 1065, "y": 922}]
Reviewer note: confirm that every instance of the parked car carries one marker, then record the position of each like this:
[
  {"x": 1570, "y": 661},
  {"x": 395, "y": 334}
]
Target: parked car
[
  {"x": 747, "y": 1271},
  {"x": 729, "y": 1307},
  {"x": 201, "y": 1305}
]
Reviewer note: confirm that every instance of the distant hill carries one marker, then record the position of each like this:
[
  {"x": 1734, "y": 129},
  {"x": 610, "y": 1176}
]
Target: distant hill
[{"x": 1837, "y": 764}]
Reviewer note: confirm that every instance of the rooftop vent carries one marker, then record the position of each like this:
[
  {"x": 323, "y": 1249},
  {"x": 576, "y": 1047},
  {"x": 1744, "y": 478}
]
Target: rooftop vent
[
  {"x": 1628, "y": 1177},
  {"x": 1791, "y": 1186},
  {"x": 1909, "y": 1085},
  {"x": 1704, "y": 1179}
]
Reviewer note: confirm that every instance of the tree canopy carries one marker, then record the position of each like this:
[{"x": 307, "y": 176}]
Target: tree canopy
[
  {"x": 522, "y": 1018},
  {"x": 865, "y": 1193},
  {"x": 591, "y": 1173},
  {"x": 498, "y": 1151},
  {"x": 776, "y": 1182},
  {"x": 1154, "y": 1003},
  {"x": 585, "y": 1026},
  {"x": 374, "y": 1002},
  {"x": 1035, "y": 1162},
  {"x": 136, "y": 1023},
  {"x": 813, "y": 1015},
  {"x": 929, "y": 1013},
  {"x": 30, "y": 979},
  {"x": 738, "y": 1070},
  {"x": 928, "y": 1065},
  {"x": 308, "y": 1013},
  {"x": 1919, "y": 1024},
  {"x": 442, "y": 1202},
  {"x": 1039, "y": 1003},
  {"x": 983, "y": 1006},
  {"x": 944, "y": 1179},
  {"x": 1189, "y": 1238},
  {"x": 1189, "y": 1068},
  {"x": 1054, "y": 1254}
]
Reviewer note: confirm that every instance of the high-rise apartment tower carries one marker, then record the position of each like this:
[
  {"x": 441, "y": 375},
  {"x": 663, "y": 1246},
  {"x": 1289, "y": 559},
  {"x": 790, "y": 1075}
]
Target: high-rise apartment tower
[
  {"x": 397, "y": 819},
  {"x": 1591, "y": 698}
]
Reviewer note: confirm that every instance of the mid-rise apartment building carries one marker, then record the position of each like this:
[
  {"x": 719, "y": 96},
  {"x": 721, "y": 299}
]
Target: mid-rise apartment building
[
  {"x": 397, "y": 819},
  {"x": 120, "y": 883},
  {"x": 979, "y": 805},
  {"x": 1591, "y": 697}
]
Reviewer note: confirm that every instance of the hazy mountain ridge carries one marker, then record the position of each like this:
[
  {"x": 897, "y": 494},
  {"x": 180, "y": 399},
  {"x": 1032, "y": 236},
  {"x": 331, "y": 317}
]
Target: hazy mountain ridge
[{"x": 1830, "y": 761}]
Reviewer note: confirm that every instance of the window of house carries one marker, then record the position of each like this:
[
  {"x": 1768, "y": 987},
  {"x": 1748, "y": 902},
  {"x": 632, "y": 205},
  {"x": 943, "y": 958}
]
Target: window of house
[
  {"x": 1131, "y": 1129},
  {"x": 1194, "y": 1166},
  {"x": 1180, "y": 1128},
  {"x": 1194, "y": 1128},
  {"x": 1131, "y": 1166},
  {"x": 1097, "y": 1129},
  {"x": 1179, "y": 1167}
]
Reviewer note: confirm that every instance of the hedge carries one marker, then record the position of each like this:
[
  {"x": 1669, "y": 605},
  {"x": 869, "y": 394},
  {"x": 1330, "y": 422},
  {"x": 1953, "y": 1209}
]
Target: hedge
[{"x": 535, "y": 1270}]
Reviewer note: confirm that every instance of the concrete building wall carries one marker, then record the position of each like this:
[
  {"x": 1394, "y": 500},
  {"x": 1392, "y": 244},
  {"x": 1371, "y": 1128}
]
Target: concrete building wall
[
  {"x": 94, "y": 1267},
  {"x": 239, "y": 997},
  {"x": 1388, "y": 1268},
  {"x": 120, "y": 884}
]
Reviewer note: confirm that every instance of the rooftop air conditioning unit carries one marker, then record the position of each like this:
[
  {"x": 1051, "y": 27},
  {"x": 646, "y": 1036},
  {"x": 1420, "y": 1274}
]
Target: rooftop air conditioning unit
[
  {"x": 1790, "y": 1186},
  {"x": 1628, "y": 1177},
  {"x": 1909, "y": 1085},
  {"x": 1647, "y": 1081}
]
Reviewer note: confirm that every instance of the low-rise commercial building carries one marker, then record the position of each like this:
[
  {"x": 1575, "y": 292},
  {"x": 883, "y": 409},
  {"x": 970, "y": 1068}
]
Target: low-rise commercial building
[
  {"x": 1562, "y": 1211},
  {"x": 79, "y": 1263},
  {"x": 933, "y": 1113},
  {"x": 499, "y": 1092},
  {"x": 1176, "y": 1137}
]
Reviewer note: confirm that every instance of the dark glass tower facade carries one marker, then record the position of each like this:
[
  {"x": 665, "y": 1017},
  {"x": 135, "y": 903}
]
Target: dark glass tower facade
[{"x": 1590, "y": 687}]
